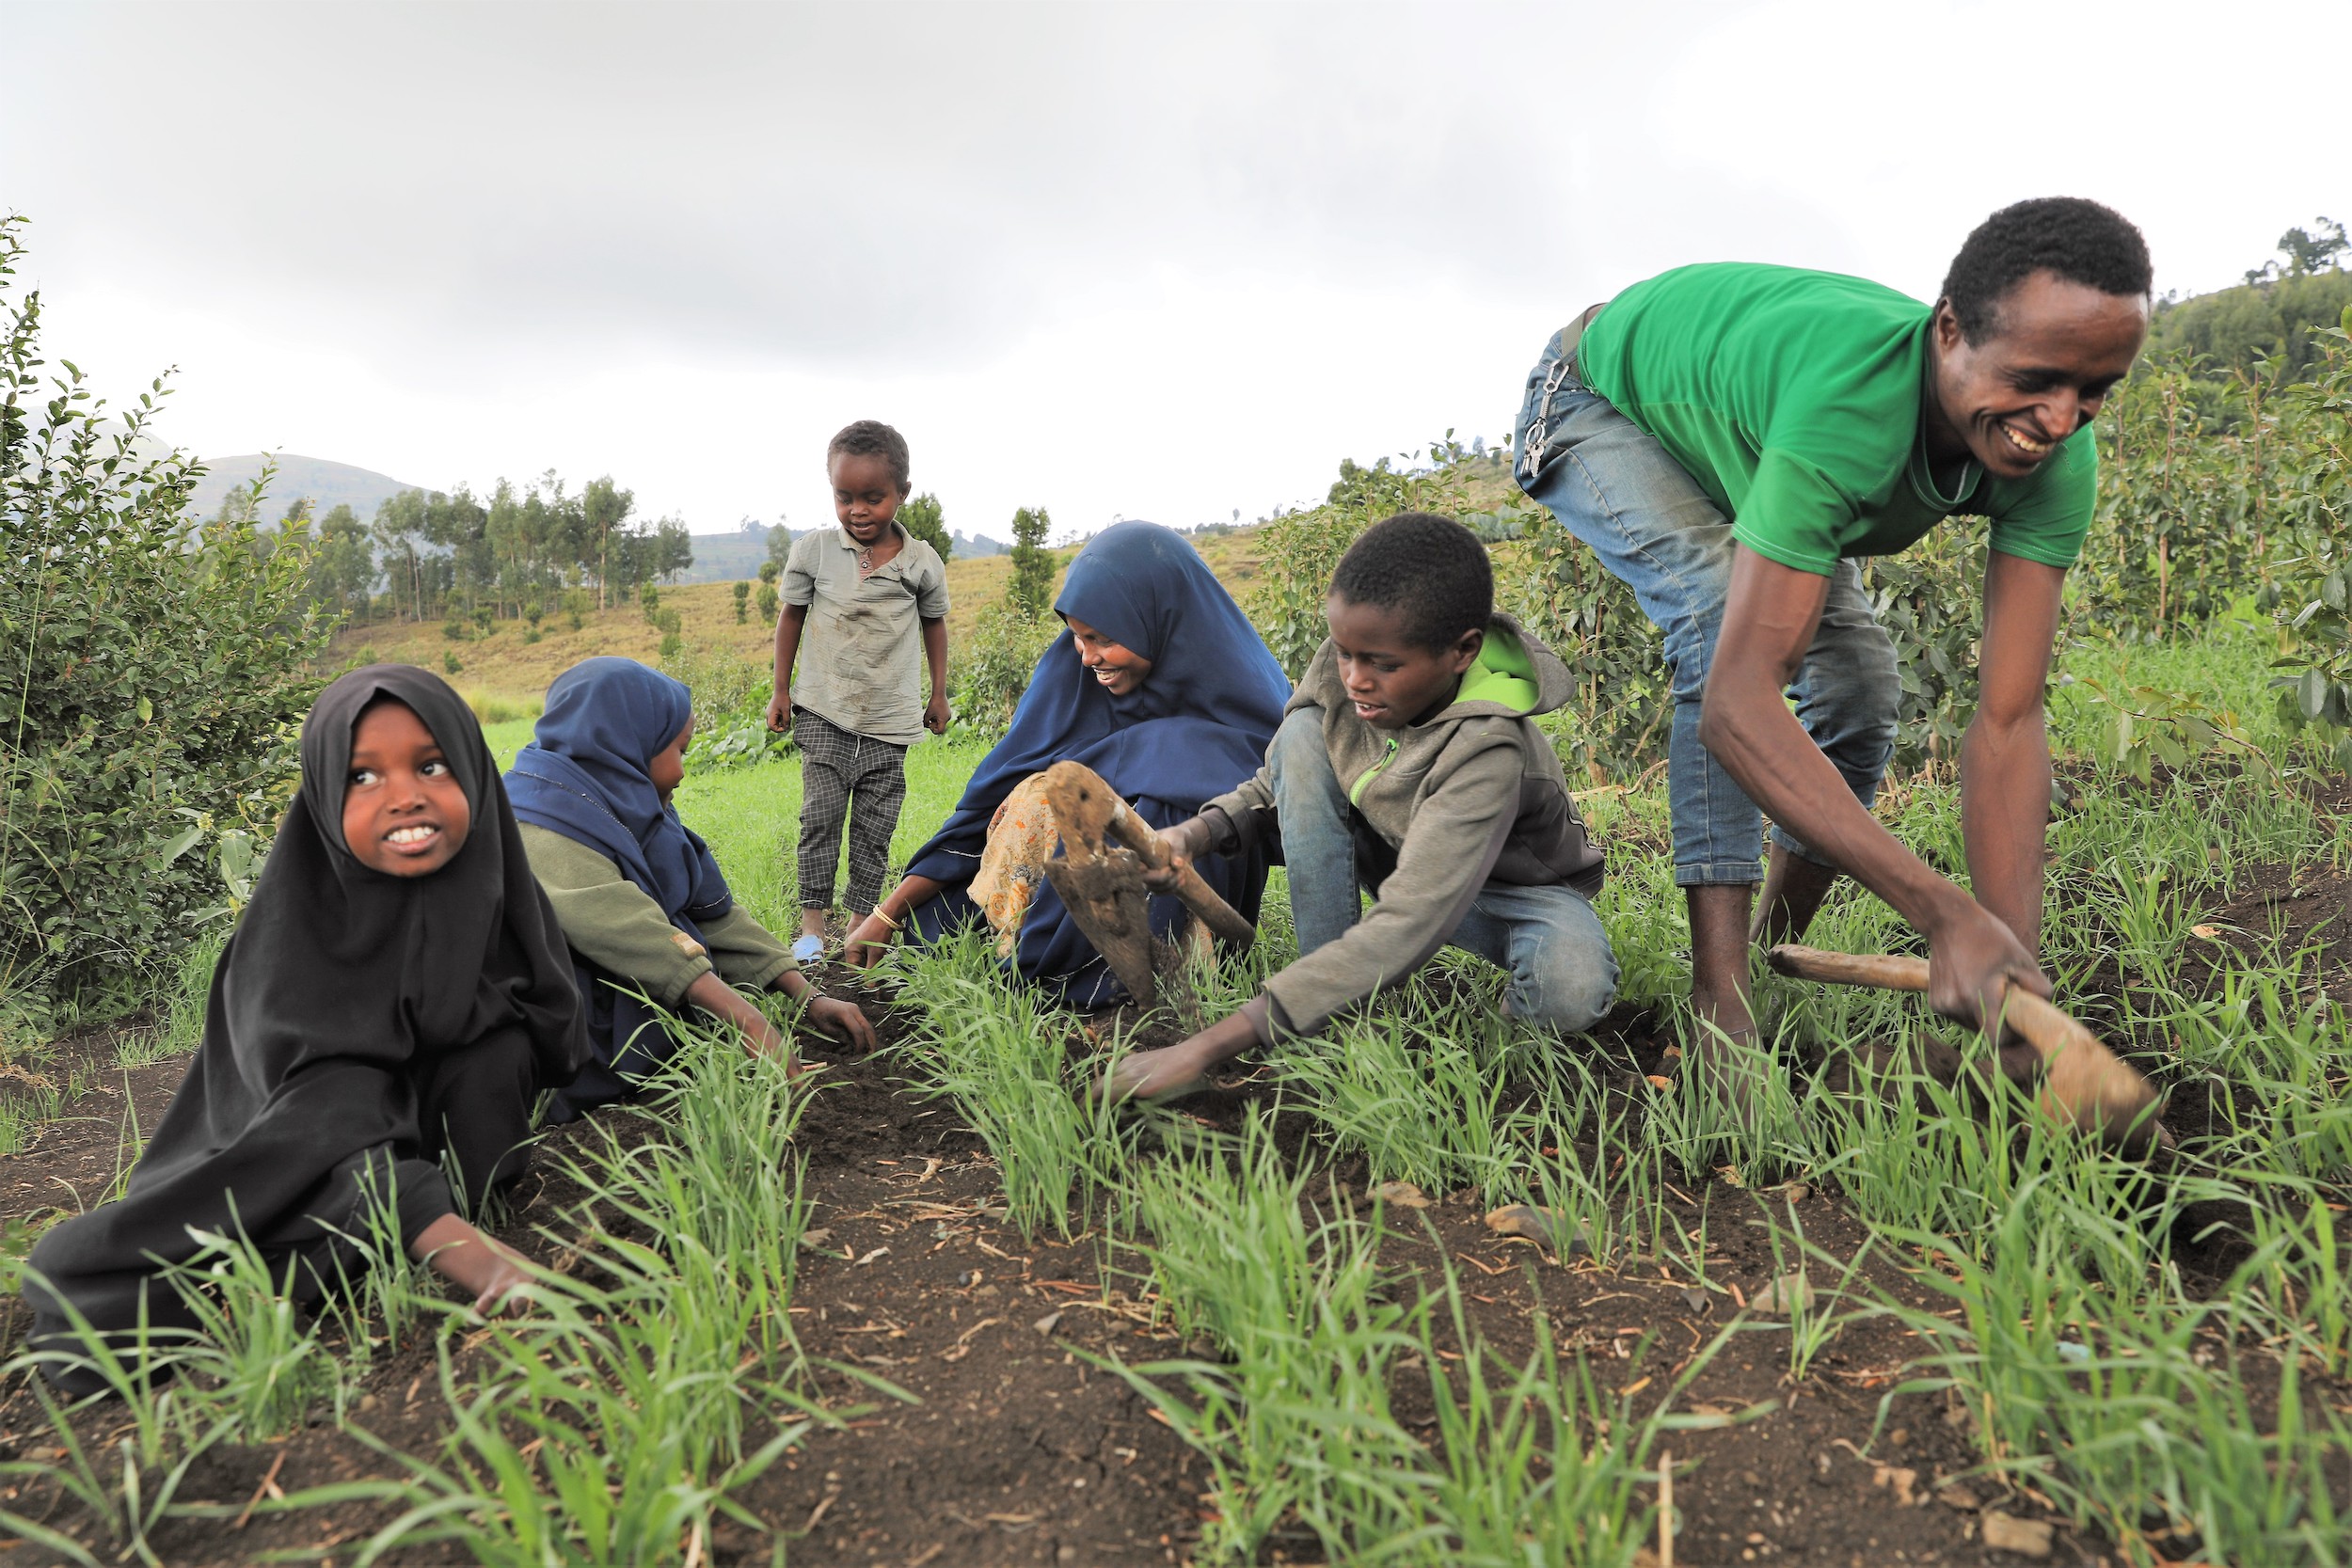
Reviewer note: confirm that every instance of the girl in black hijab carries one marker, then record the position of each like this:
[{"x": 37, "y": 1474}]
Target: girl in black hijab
[{"x": 394, "y": 999}]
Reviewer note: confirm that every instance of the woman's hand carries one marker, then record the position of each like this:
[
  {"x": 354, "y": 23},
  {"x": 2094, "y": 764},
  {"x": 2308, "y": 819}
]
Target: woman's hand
[
  {"x": 844, "y": 1020},
  {"x": 867, "y": 941},
  {"x": 870, "y": 938},
  {"x": 494, "y": 1272}
]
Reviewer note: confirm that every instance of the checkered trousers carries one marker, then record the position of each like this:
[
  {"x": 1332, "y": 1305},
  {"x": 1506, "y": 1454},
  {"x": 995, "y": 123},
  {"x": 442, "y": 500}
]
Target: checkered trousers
[{"x": 845, "y": 775}]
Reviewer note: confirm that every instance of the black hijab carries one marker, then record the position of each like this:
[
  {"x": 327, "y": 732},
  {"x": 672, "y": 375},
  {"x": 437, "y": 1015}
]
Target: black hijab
[{"x": 340, "y": 991}]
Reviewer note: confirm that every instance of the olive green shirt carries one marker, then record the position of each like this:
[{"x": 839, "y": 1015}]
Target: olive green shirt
[
  {"x": 616, "y": 926},
  {"x": 860, "y": 661}
]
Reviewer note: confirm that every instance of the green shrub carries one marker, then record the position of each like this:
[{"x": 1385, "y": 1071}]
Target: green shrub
[
  {"x": 993, "y": 666},
  {"x": 1032, "y": 584},
  {"x": 2313, "y": 593},
  {"x": 924, "y": 519},
  {"x": 770, "y": 600},
  {"x": 153, "y": 674},
  {"x": 1297, "y": 550},
  {"x": 742, "y": 592},
  {"x": 1620, "y": 719},
  {"x": 451, "y": 662},
  {"x": 730, "y": 705}
]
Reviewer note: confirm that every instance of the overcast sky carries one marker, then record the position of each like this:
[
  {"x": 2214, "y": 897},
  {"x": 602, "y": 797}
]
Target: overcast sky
[{"x": 1115, "y": 260}]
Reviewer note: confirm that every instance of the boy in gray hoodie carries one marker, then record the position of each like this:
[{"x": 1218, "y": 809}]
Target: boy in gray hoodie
[{"x": 1406, "y": 765}]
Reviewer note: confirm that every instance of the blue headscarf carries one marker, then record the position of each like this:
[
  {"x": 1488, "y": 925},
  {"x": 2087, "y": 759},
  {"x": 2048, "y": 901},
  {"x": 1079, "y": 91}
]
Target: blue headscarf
[
  {"x": 1199, "y": 725},
  {"x": 586, "y": 775}
]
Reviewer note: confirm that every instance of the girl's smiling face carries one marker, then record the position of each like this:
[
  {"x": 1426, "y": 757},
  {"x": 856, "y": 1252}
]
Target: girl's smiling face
[
  {"x": 1120, "y": 668},
  {"x": 404, "y": 813}
]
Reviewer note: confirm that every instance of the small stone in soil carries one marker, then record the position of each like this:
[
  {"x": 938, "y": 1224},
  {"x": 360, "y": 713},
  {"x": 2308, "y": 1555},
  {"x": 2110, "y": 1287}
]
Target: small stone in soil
[
  {"x": 2005, "y": 1532},
  {"x": 1789, "y": 1294},
  {"x": 1546, "y": 1228}
]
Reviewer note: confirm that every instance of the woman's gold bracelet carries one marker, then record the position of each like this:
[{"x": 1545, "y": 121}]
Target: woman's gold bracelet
[{"x": 876, "y": 912}]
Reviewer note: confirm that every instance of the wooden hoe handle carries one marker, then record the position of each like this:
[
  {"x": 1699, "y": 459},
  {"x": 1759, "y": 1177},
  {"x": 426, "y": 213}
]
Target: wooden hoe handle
[
  {"x": 1088, "y": 808},
  {"x": 2085, "y": 1083}
]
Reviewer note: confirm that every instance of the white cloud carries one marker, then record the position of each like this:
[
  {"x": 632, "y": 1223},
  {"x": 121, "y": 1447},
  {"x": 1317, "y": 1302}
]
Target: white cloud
[{"x": 1158, "y": 262}]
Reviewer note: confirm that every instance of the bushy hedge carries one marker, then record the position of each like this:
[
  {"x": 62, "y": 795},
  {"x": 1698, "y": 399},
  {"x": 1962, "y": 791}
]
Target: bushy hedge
[{"x": 153, "y": 679}]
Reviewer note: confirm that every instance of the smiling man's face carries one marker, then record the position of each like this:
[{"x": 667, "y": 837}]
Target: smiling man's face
[{"x": 2055, "y": 349}]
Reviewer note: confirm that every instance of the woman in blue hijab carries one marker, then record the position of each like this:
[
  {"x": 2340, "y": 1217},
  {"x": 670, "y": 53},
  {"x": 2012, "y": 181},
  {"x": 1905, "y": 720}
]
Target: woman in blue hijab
[
  {"x": 643, "y": 906},
  {"x": 1159, "y": 684}
]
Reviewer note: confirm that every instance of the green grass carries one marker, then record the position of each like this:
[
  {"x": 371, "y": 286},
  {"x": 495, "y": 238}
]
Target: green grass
[{"x": 2178, "y": 1420}]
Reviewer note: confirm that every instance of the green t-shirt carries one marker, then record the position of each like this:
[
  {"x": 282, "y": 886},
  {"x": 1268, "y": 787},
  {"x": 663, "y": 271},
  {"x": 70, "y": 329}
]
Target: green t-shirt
[{"x": 1793, "y": 397}]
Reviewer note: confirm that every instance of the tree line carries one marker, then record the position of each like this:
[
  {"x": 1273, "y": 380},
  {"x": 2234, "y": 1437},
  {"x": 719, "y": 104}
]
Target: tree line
[{"x": 517, "y": 552}]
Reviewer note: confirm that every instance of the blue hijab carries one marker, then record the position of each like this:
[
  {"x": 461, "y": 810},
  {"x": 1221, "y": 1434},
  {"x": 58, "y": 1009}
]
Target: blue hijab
[
  {"x": 586, "y": 774},
  {"x": 1198, "y": 726}
]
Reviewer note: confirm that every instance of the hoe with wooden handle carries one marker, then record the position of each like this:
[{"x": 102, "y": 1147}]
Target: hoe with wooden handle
[
  {"x": 2083, "y": 1084},
  {"x": 1103, "y": 888}
]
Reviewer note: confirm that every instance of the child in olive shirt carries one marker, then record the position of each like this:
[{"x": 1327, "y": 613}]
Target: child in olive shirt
[
  {"x": 863, "y": 595},
  {"x": 1406, "y": 764}
]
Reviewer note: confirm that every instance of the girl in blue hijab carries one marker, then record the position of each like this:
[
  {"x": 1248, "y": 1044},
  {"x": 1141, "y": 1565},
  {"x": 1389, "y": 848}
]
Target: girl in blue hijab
[
  {"x": 646, "y": 913},
  {"x": 1160, "y": 684}
]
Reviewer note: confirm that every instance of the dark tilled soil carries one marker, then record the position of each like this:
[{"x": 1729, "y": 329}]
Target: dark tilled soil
[{"x": 1012, "y": 1448}]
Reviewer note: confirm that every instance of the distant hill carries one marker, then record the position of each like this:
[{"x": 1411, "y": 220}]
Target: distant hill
[
  {"x": 727, "y": 556},
  {"x": 732, "y": 557},
  {"x": 328, "y": 485}
]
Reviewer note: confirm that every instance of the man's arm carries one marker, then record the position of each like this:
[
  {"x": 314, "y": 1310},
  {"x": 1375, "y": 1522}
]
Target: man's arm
[
  {"x": 789, "y": 620},
  {"x": 2005, "y": 759},
  {"x": 935, "y": 654},
  {"x": 1768, "y": 622}
]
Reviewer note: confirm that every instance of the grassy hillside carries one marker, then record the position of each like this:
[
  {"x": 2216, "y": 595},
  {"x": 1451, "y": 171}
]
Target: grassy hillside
[{"x": 503, "y": 671}]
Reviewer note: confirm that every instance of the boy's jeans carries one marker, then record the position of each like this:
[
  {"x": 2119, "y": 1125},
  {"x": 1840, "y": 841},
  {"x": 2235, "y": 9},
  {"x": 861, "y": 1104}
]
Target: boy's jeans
[
  {"x": 1562, "y": 971},
  {"x": 1618, "y": 491}
]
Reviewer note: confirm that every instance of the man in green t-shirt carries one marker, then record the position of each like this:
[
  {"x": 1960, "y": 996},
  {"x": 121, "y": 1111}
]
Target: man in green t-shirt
[{"x": 1730, "y": 438}]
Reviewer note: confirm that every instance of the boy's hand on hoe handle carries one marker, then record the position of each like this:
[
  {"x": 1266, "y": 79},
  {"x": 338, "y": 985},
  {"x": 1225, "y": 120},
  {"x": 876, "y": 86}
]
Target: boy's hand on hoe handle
[{"x": 1181, "y": 846}]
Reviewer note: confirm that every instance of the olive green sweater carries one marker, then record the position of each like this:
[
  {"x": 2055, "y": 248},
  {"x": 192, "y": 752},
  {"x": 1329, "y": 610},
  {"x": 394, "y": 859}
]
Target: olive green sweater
[
  {"x": 616, "y": 926},
  {"x": 1471, "y": 794}
]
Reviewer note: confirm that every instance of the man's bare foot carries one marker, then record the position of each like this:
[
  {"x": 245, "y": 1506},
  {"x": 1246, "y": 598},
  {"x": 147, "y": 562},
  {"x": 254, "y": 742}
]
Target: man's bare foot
[
  {"x": 1793, "y": 892},
  {"x": 1162, "y": 1074}
]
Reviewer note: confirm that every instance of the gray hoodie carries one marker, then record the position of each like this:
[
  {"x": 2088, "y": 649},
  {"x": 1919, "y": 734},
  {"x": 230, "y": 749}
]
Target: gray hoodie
[{"x": 1471, "y": 795}]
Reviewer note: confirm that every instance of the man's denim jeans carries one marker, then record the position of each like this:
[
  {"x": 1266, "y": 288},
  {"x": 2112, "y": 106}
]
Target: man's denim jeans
[
  {"x": 1562, "y": 973},
  {"x": 1618, "y": 491}
]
